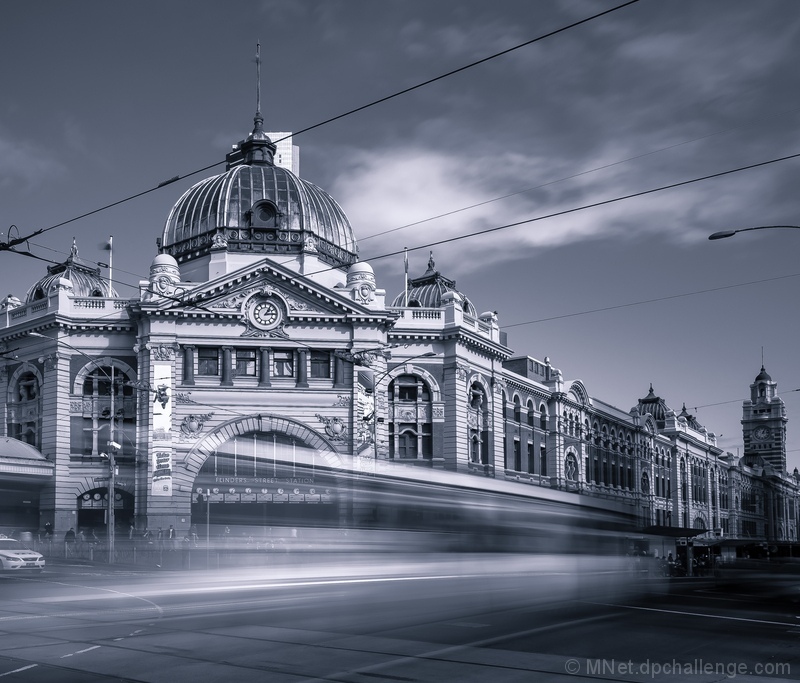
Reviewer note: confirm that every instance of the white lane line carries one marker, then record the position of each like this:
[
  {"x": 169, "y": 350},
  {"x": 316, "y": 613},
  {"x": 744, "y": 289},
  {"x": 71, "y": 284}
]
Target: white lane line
[
  {"x": 696, "y": 614},
  {"x": 16, "y": 671},
  {"x": 80, "y": 652}
]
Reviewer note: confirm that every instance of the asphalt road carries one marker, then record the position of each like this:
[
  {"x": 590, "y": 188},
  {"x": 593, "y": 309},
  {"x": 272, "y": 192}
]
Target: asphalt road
[{"x": 352, "y": 620}]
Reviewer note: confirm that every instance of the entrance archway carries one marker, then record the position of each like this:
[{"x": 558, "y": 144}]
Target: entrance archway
[{"x": 262, "y": 476}]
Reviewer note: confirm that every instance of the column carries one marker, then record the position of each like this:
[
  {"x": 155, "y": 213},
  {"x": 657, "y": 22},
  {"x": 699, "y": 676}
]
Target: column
[
  {"x": 264, "y": 367},
  {"x": 188, "y": 365}
]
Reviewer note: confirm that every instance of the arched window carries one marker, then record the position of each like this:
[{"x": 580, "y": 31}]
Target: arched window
[
  {"x": 477, "y": 424},
  {"x": 531, "y": 411},
  {"x": 107, "y": 393},
  {"x": 517, "y": 410},
  {"x": 25, "y": 411},
  {"x": 543, "y": 416},
  {"x": 411, "y": 419}
]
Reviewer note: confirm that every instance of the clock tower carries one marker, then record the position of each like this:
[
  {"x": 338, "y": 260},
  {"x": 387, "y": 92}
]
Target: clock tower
[{"x": 764, "y": 423}]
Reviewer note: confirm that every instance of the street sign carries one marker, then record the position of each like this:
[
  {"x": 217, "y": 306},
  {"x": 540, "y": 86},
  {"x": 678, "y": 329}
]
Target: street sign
[{"x": 97, "y": 480}]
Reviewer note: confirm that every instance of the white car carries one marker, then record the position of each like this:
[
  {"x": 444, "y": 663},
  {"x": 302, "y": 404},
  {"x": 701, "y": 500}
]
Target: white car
[{"x": 15, "y": 556}]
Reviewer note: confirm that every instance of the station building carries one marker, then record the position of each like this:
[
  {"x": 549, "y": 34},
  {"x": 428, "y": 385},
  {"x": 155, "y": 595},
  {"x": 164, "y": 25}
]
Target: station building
[{"x": 261, "y": 358}]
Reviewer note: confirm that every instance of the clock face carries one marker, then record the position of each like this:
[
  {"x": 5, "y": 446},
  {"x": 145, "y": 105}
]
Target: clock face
[
  {"x": 265, "y": 314},
  {"x": 761, "y": 433}
]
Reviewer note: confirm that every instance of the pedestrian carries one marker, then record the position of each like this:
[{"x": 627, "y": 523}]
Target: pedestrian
[
  {"x": 69, "y": 542},
  {"x": 172, "y": 538},
  {"x": 193, "y": 534},
  {"x": 186, "y": 546},
  {"x": 131, "y": 532}
]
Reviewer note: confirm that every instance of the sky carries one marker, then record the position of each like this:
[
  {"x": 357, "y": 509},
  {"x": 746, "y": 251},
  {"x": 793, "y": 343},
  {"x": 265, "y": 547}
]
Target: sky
[{"x": 104, "y": 100}]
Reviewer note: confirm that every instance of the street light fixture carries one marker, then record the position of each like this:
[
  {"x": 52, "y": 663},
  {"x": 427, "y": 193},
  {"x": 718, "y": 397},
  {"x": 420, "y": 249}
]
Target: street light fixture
[
  {"x": 113, "y": 445},
  {"x": 722, "y": 234},
  {"x": 375, "y": 382}
]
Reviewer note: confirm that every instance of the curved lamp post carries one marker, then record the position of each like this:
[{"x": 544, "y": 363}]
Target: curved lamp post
[
  {"x": 730, "y": 233},
  {"x": 113, "y": 446},
  {"x": 375, "y": 382}
]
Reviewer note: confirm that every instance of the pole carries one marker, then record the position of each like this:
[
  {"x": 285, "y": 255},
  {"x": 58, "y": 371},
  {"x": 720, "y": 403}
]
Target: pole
[
  {"x": 208, "y": 528},
  {"x": 112, "y": 473}
]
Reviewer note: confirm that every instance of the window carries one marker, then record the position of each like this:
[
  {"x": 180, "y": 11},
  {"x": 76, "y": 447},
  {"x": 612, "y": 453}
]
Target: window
[
  {"x": 245, "y": 363},
  {"x": 410, "y": 401},
  {"x": 320, "y": 364},
  {"x": 284, "y": 363},
  {"x": 207, "y": 361},
  {"x": 407, "y": 442},
  {"x": 25, "y": 415}
]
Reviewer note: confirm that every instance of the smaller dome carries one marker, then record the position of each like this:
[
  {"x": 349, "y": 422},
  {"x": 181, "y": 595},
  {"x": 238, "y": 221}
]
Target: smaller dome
[
  {"x": 763, "y": 376},
  {"x": 431, "y": 291},
  {"x": 164, "y": 260},
  {"x": 656, "y": 406},
  {"x": 360, "y": 267},
  {"x": 81, "y": 278}
]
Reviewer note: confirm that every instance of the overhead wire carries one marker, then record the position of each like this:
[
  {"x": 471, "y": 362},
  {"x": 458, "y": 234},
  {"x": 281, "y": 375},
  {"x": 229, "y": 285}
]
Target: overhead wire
[{"x": 8, "y": 246}]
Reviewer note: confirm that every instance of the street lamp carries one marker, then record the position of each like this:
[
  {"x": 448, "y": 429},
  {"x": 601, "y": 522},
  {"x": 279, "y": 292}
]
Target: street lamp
[
  {"x": 730, "y": 233},
  {"x": 113, "y": 445},
  {"x": 375, "y": 382}
]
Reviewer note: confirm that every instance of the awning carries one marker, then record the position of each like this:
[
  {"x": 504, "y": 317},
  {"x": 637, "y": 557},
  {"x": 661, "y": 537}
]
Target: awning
[{"x": 20, "y": 461}]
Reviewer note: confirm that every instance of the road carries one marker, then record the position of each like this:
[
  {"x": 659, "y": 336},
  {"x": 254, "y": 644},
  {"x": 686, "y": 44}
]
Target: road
[{"x": 353, "y": 620}]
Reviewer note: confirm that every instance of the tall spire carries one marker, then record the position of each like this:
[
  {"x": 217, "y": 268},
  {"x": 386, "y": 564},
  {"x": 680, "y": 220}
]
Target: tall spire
[
  {"x": 258, "y": 120},
  {"x": 256, "y": 149}
]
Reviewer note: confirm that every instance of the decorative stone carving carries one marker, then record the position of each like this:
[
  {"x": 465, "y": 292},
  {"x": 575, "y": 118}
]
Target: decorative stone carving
[
  {"x": 162, "y": 351},
  {"x": 461, "y": 371},
  {"x": 343, "y": 401},
  {"x": 219, "y": 241},
  {"x": 183, "y": 397},
  {"x": 335, "y": 428},
  {"x": 192, "y": 425}
]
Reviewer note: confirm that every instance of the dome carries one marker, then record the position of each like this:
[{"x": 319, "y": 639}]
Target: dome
[
  {"x": 81, "y": 278},
  {"x": 433, "y": 290},
  {"x": 657, "y": 407},
  {"x": 763, "y": 376},
  {"x": 258, "y": 208}
]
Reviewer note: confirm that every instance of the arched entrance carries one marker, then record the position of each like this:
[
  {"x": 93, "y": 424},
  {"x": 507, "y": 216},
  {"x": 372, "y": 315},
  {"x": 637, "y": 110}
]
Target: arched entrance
[
  {"x": 93, "y": 511},
  {"x": 263, "y": 474}
]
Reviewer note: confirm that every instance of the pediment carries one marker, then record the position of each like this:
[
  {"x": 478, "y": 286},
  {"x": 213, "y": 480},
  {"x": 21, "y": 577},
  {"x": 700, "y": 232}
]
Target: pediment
[{"x": 266, "y": 298}]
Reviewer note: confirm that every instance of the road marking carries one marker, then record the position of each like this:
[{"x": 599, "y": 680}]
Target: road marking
[
  {"x": 696, "y": 614},
  {"x": 16, "y": 671},
  {"x": 80, "y": 652}
]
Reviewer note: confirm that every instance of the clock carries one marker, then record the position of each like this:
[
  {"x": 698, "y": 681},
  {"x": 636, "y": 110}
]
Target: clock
[
  {"x": 761, "y": 433},
  {"x": 265, "y": 314}
]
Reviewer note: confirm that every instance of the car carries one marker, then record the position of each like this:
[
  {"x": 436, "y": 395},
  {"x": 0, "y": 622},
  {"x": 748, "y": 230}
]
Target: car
[{"x": 16, "y": 556}]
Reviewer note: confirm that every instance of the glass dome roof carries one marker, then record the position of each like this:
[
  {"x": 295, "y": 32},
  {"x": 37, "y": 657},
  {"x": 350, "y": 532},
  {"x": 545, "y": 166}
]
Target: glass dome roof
[{"x": 257, "y": 207}]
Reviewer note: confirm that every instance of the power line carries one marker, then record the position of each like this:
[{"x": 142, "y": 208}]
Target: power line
[
  {"x": 7, "y": 246},
  {"x": 650, "y": 301},
  {"x": 570, "y": 177}
]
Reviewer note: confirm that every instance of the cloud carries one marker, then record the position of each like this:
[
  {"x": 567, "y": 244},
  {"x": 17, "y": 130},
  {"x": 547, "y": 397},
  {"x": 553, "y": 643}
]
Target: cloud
[{"x": 26, "y": 165}]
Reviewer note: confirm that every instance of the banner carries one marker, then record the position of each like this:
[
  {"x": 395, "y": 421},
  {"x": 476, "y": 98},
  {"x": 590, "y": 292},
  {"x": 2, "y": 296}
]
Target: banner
[{"x": 162, "y": 473}]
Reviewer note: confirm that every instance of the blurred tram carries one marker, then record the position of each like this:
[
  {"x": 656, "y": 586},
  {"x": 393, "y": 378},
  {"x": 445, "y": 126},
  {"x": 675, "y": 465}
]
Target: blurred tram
[{"x": 569, "y": 545}]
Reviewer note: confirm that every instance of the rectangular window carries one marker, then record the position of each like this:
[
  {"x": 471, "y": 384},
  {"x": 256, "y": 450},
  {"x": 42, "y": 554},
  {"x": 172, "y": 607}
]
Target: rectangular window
[
  {"x": 245, "y": 363},
  {"x": 407, "y": 392},
  {"x": 517, "y": 456},
  {"x": 207, "y": 361},
  {"x": 320, "y": 364},
  {"x": 283, "y": 363},
  {"x": 543, "y": 461}
]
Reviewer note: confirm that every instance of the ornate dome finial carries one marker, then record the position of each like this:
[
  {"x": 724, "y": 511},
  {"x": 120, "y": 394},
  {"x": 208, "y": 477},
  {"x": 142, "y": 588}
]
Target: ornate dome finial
[{"x": 258, "y": 120}]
